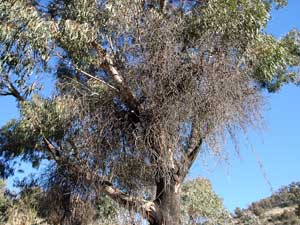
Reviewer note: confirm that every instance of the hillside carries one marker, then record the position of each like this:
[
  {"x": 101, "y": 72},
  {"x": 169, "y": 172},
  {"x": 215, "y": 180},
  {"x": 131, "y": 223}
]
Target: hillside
[{"x": 281, "y": 208}]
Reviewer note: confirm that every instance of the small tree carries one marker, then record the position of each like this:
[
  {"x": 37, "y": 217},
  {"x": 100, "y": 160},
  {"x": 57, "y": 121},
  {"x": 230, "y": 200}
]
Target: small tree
[
  {"x": 200, "y": 203},
  {"x": 140, "y": 88}
]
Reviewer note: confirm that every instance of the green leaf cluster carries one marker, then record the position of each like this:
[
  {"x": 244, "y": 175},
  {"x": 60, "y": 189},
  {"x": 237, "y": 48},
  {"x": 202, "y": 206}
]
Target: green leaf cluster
[
  {"x": 200, "y": 203},
  {"x": 48, "y": 118}
]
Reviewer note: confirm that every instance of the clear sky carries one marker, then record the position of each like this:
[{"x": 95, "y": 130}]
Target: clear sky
[{"x": 241, "y": 180}]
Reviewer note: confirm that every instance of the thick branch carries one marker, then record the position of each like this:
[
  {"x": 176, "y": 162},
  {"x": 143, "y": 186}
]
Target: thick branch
[
  {"x": 191, "y": 153},
  {"x": 12, "y": 90},
  {"x": 163, "y": 5},
  {"x": 194, "y": 141},
  {"x": 15, "y": 93},
  {"x": 53, "y": 151},
  {"x": 125, "y": 92},
  {"x": 148, "y": 209}
]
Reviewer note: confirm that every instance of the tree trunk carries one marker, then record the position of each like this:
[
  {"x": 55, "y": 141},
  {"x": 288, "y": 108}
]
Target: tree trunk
[{"x": 168, "y": 201}]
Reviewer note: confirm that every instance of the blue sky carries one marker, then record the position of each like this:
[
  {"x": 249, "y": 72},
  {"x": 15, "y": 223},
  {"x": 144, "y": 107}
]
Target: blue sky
[{"x": 241, "y": 180}]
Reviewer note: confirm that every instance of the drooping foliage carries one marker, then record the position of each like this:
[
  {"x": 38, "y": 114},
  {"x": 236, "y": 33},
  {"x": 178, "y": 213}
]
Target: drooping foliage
[{"x": 140, "y": 87}]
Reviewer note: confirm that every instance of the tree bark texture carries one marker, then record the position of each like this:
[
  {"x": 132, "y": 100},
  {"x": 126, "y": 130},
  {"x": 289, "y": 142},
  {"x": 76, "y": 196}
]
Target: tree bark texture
[{"x": 168, "y": 202}]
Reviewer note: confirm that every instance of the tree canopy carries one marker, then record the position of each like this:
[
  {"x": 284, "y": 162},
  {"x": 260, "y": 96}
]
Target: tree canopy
[{"x": 139, "y": 88}]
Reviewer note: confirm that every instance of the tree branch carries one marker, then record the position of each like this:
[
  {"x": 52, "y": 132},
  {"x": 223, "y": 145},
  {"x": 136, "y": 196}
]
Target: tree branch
[
  {"x": 148, "y": 209},
  {"x": 52, "y": 150},
  {"x": 12, "y": 90},
  {"x": 86, "y": 73},
  {"x": 163, "y": 5},
  {"x": 5, "y": 94},
  {"x": 125, "y": 91},
  {"x": 192, "y": 151}
]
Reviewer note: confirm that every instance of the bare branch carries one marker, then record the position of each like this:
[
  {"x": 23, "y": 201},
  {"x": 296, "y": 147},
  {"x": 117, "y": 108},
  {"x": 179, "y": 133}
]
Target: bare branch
[
  {"x": 5, "y": 93},
  {"x": 108, "y": 66},
  {"x": 52, "y": 150},
  {"x": 13, "y": 91},
  {"x": 148, "y": 209}
]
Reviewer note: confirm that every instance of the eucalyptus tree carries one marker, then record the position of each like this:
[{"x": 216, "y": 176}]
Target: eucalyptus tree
[{"x": 140, "y": 88}]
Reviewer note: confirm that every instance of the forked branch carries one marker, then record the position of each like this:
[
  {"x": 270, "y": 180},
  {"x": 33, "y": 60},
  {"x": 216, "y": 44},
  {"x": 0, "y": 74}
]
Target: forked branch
[{"x": 12, "y": 90}]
